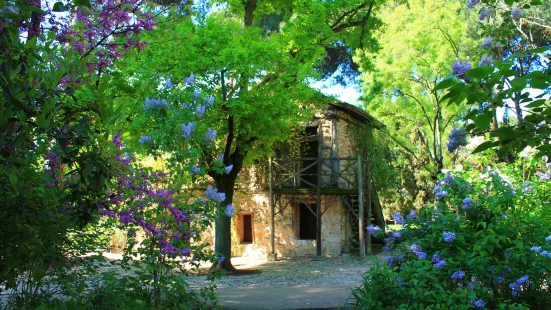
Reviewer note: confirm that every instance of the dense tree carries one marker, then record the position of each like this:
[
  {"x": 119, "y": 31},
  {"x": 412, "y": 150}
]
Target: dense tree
[
  {"x": 400, "y": 89},
  {"x": 258, "y": 59}
]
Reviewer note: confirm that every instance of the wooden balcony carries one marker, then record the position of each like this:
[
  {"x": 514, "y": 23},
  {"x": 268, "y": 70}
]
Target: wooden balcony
[{"x": 330, "y": 176}]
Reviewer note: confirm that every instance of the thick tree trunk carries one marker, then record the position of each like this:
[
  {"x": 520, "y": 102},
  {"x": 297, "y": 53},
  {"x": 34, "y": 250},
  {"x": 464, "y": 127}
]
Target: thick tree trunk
[{"x": 226, "y": 183}]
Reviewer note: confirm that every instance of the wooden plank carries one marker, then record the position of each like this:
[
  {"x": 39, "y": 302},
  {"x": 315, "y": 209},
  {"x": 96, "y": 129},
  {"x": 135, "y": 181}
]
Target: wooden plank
[{"x": 368, "y": 179}]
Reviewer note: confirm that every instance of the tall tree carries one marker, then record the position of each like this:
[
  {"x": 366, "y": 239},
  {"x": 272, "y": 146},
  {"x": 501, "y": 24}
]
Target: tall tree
[{"x": 258, "y": 57}]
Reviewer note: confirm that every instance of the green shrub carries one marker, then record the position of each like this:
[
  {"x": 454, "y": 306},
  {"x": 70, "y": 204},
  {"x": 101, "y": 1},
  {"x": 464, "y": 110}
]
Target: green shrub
[{"x": 485, "y": 243}]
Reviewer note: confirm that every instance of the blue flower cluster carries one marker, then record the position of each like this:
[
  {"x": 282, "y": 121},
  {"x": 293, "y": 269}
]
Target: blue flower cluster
[
  {"x": 210, "y": 135},
  {"x": 189, "y": 80},
  {"x": 457, "y": 137},
  {"x": 484, "y": 13},
  {"x": 372, "y": 229},
  {"x": 229, "y": 210},
  {"x": 448, "y": 236},
  {"x": 412, "y": 215},
  {"x": 418, "y": 251},
  {"x": 486, "y": 60},
  {"x": 488, "y": 42},
  {"x": 472, "y": 3},
  {"x": 213, "y": 194},
  {"x": 459, "y": 68},
  {"x": 458, "y": 275},
  {"x": 441, "y": 264},
  {"x": 517, "y": 285},
  {"x": 229, "y": 168},
  {"x": 195, "y": 170},
  {"x": 436, "y": 258},
  {"x": 467, "y": 203},
  {"x": 145, "y": 139},
  {"x": 151, "y": 104},
  {"x": 398, "y": 218},
  {"x": 187, "y": 129},
  {"x": 517, "y": 13},
  {"x": 479, "y": 303}
]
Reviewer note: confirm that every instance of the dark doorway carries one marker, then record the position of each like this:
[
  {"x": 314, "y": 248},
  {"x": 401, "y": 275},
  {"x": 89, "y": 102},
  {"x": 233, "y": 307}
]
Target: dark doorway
[
  {"x": 247, "y": 228},
  {"x": 309, "y": 149},
  {"x": 307, "y": 223}
]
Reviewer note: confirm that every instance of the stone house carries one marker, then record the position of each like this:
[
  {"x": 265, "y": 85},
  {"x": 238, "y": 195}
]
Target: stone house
[{"x": 307, "y": 202}]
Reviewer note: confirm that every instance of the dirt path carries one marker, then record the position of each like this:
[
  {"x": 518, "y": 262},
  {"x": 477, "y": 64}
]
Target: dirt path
[{"x": 289, "y": 284}]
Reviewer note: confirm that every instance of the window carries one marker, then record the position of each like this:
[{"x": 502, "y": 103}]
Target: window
[
  {"x": 245, "y": 228},
  {"x": 307, "y": 223}
]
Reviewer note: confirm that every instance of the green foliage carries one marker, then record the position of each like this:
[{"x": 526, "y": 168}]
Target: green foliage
[
  {"x": 517, "y": 78},
  {"x": 495, "y": 245},
  {"x": 400, "y": 91}
]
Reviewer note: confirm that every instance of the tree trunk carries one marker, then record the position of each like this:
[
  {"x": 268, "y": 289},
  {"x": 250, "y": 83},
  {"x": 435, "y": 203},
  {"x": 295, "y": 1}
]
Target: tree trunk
[
  {"x": 225, "y": 183},
  {"x": 222, "y": 243}
]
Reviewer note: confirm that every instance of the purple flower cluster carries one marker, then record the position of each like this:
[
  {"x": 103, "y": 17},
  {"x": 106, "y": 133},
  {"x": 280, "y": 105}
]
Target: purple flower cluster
[
  {"x": 448, "y": 236},
  {"x": 439, "y": 192},
  {"x": 228, "y": 168},
  {"x": 459, "y": 68},
  {"x": 151, "y": 104},
  {"x": 458, "y": 137},
  {"x": 517, "y": 285},
  {"x": 399, "y": 281},
  {"x": 467, "y": 203},
  {"x": 213, "y": 194},
  {"x": 412, "y": 215},
  {"x": 458, "y": 275},
  {"x": 52, "y": 162},
  {"x": 104, "y": 32},
  {"x": 116, "y": 139}
]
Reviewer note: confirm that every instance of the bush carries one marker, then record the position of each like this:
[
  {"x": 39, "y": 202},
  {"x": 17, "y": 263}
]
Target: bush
[{"x": 484, "y": 243}]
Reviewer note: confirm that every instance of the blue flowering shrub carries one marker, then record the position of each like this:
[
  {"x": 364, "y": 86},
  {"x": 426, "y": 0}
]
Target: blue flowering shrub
[{"x": 485, "y": 243}]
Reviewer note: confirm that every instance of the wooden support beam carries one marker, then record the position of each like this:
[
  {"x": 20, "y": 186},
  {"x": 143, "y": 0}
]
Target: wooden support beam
[
  {"x": 368, "y": 179},
  {"x": 272, "y": 209},
  {"x": 318, "y": 193},
  {"x": 361, "y": 228},
  {"x": 347, "y": 230}
]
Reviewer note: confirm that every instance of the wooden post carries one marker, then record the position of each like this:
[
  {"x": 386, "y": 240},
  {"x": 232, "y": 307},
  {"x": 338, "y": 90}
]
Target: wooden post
[
  {"x": 361, "y": 228},
  {"x": 318, "y": 193},
  {"x": 368, "y": 179},
  {"x": 347, "y": 231},
  {"x": 272, "y": 209}
]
